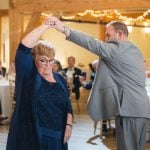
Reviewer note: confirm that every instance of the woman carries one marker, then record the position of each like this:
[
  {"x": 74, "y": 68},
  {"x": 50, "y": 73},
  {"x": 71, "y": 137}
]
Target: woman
[
  {"x": 57, "y": 67},
  {"x": 42, "y": 118}
]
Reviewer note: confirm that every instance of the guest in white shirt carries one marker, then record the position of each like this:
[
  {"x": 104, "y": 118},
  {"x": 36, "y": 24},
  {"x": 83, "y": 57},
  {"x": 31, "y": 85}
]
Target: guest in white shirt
[{"x": 73, "y": 74}]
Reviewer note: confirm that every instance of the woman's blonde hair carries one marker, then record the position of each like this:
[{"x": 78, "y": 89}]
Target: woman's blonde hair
[{"x": 43, "y": 48}]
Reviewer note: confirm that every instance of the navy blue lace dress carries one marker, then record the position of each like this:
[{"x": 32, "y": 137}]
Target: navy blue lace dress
[
  {"x": 51, "y": 111},
  {"x": 39, "y": 118}
]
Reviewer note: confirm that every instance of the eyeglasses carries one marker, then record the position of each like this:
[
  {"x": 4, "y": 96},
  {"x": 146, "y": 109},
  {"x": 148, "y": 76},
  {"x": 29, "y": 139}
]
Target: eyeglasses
[{"x": 45, "y": 61}]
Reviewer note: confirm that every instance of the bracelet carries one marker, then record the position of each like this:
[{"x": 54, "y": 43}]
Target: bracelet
[
  {"x": 69, "y": 124},
  {"x": 66, "y": 30}
]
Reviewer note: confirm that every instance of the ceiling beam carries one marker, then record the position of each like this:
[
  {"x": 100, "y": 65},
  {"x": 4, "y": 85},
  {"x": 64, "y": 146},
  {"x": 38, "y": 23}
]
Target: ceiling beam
[
  {"x": 15, "y": 31},
  {"x": 32, "y": 22},
  {"x": 77, "y": 5}
]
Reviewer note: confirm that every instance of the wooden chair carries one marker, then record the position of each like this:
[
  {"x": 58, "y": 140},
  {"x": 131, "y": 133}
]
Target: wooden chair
[
  {"x": 73, "y": 100},
  {"x": 72, "y": 95}
]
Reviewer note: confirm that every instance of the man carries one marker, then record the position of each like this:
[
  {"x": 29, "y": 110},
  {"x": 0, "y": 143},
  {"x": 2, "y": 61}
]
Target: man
[
  {"x": 119, "y": 86},
  {"x": 73, "y": 74},
  {"x": 2, "y": 70}
]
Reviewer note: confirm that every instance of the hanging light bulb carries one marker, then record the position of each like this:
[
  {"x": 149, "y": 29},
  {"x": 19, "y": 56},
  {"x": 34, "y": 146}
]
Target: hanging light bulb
[{"x": 129, "y": 28}]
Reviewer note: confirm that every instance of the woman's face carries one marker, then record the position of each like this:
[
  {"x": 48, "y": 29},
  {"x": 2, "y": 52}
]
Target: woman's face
[
  {"x": 55, "y": 67},
  {"x": 44, "y": 65}
]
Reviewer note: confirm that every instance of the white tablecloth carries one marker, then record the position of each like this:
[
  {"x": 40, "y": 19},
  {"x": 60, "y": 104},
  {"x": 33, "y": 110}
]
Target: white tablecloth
[{"x": 5, "y": 97}]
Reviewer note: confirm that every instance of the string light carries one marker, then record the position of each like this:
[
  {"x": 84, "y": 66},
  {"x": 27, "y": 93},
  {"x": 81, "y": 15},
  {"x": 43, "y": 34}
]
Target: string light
[
  {"x": 70, "y": 17},
  {"x": 46, "y": 15},
  {"x": 110, "y": 14}
]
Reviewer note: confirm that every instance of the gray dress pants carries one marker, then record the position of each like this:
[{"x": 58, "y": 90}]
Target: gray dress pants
[{"x": 131, "y": 133}]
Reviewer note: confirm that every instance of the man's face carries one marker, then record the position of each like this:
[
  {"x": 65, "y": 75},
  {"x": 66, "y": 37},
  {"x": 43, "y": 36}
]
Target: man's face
[
  {"x": 71, "y": 62},
  {"x": 110, "y": 33}
]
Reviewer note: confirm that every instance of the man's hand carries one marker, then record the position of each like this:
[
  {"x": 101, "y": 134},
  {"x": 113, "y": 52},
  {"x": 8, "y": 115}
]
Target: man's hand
[
  {"x": 54, "y": 22},
  {"x": 82, "y": 79}
]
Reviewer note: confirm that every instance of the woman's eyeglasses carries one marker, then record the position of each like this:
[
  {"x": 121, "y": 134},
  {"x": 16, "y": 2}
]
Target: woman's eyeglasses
[{"x": 45, "y": 61}]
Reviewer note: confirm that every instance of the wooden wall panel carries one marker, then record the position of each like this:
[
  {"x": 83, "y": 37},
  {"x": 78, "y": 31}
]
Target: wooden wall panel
[
  {"x": 35, "y": 18},
  {"x": 0, "y": 39},
  {"x": 15, "y": 30}
]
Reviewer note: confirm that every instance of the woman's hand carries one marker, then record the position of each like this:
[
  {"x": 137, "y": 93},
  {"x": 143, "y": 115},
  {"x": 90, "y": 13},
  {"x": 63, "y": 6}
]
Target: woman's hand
[
  {"x": 54, "y": 23},
  {"x": 68, "y": 132}
]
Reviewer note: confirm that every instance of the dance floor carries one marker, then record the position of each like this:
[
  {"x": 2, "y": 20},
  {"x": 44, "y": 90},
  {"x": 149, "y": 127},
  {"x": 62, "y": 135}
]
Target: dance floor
[{"x": 82, "y": 132}]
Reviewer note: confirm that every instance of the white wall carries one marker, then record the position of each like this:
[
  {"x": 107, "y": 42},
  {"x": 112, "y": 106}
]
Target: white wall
[{"x": 142, "y": 40}]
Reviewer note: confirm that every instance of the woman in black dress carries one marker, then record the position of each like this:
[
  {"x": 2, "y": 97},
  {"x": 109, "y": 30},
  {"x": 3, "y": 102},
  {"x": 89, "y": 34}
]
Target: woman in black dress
[{"x": 42, "y": 119}]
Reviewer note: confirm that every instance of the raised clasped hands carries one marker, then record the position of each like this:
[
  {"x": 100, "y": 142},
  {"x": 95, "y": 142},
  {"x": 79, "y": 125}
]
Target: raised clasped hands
[{"x": 54, "y": 22}]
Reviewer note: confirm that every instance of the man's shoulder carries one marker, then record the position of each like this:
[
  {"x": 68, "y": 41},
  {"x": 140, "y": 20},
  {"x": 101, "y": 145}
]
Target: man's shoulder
[{"x": 78, "y": 69}]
